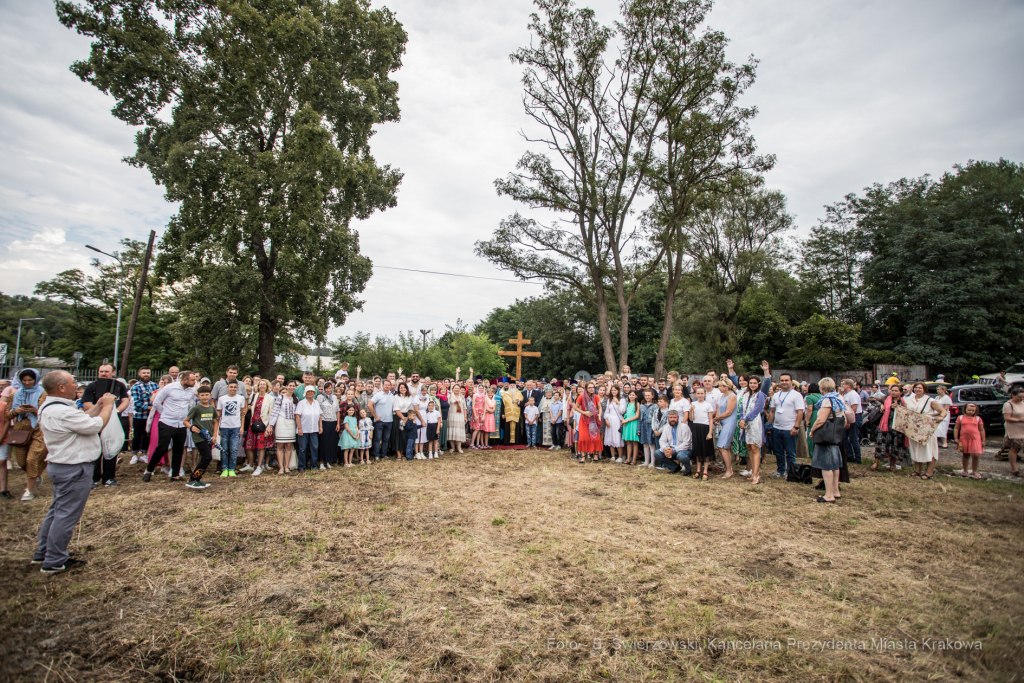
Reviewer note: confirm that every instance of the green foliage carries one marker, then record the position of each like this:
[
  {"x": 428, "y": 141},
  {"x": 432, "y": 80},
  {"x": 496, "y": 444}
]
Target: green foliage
[
  {"x": 559, "y": 325},
  {"x": 942, "y": 279},
  {"x": 272, "y": 104},
  {"x": 439, "y": 357},
  {"x": 90, "y": 317},
  {"x": 825, "y": 344}
]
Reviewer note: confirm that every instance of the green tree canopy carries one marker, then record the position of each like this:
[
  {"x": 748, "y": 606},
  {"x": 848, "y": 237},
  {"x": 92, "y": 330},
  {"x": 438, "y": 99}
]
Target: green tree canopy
[{"x": 257, "y": 117}]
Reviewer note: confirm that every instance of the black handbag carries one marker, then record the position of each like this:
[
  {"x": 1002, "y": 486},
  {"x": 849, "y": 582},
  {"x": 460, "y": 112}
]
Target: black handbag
[
  {"x": 256, "y": 426},
  {"x": 799, "y": 473},
  {"x": 832, "y": 432}
]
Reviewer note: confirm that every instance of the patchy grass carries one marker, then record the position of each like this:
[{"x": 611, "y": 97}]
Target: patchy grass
[{"x": 514, "y": 566}]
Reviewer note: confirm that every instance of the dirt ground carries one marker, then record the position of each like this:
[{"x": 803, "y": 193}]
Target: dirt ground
[{"x": 521, "y": 566}]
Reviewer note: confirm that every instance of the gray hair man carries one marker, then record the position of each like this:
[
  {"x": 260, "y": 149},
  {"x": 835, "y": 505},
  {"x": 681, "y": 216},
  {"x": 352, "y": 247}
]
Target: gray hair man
[
  {"x": 72, "y": 438},
  {"x": 674, "y": 446}
]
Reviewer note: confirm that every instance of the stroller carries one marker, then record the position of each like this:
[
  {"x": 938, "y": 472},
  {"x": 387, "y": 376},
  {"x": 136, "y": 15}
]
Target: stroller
[{"x": 869, "y": 427}]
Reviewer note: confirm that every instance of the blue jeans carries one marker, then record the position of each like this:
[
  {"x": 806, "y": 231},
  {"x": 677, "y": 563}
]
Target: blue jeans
[
  {"x": 853, "y": 439},
  {"x": 381, "y": 438},
  {"x": 531, "y": 435},
  {"x": 228, "y": 447},
  {"x": 785, "y": 450},
  {"x": 680, "y": 460},
  {"x": 305, "y": 450},
  {"x": 410, "y": 447}
]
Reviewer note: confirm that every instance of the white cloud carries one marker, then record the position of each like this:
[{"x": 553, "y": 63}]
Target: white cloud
[{"x": 850, "y": 92}]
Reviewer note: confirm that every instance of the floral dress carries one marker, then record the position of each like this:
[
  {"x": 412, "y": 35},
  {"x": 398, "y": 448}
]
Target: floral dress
[
  {"x": 262, "y": 440},
  {"x": 890, "y": 443}
]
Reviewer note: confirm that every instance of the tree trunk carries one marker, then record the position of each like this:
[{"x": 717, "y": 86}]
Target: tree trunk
[
  {"x": 267, "y": 335},
  {"x": 674, "y": 275},
  {"x": 620, "y": 293},
  {"x": 606, "y": 335}
]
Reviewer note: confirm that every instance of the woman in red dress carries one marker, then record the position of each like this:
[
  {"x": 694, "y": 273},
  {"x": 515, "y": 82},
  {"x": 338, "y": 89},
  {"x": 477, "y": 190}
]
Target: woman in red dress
[{"x": 590, "y": 424}]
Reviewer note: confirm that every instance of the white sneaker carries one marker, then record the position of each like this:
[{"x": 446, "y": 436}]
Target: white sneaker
[
  {"x": 181, "y": 471},
  {"x": 322, "y": 467},
  {"x": 618, "y": 460},
  {"x": 134, "y": 460},
  {"x": 329, "y": 466},
  {"x": 247, "y": 468},
  {"x": 144, "y": 459},
  {"x": 257, "y": 472},
  {"x": 28, "y": 495},
  {"x": 166, "y": 470},
  {"x": 746, "y": 473},
  {"x": 420, "y": 456}
]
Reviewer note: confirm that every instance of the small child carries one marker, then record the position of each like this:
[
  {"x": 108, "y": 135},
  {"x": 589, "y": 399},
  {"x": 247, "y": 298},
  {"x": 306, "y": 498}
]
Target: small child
[
  {"x": 411, "y": 429},
  {"x": 204, "y": 422},
  {"x": 531, "y": 412},
  {"x": 365, "y": 437},
  {"x": 969, "y": 434},
  {"x": 433, "y": 418},
  {"x": 349, "y": 433}
]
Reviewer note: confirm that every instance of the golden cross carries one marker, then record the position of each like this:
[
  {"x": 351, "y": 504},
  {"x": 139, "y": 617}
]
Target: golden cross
[{"x": 519, "y": 353}]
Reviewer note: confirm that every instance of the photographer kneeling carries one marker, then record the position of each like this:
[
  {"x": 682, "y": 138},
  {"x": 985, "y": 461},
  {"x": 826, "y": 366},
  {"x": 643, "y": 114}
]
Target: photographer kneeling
[{"x": 674, "y": 447}]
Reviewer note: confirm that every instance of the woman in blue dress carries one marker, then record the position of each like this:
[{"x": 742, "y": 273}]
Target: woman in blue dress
[
  {"x": 648, "y": 409},
  {"x": 726, "y": 417}
]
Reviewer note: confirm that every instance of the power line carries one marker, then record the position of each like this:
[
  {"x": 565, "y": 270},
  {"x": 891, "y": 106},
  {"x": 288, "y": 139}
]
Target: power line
[{"x": 475, "y": 277}]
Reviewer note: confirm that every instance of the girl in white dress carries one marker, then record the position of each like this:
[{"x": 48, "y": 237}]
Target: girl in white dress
[
  {"x": 613, "y": 412},
  {"x": 927, "y": 452},
  {"x": 420, "y": 403}
]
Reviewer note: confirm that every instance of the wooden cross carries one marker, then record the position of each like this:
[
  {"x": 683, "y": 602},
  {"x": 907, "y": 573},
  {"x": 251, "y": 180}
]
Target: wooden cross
[{"x": 519, "y": 353}]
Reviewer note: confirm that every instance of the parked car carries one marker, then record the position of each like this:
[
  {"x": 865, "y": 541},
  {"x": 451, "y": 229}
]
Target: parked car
[
  {"x": 987, "y": 397},
  {"x": 1014, "y": 377}
]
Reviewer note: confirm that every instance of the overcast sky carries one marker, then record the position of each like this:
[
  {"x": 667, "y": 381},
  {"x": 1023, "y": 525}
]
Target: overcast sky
[{"x": 850, "y": 92}]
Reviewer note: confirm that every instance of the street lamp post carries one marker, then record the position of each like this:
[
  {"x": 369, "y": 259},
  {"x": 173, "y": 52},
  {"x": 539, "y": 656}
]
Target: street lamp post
[
  {"x": 17, "y": 348},
  {"x": 120, "y": 286}
]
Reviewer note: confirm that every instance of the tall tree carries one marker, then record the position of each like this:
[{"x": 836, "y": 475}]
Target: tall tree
[
  {"x": 734, "y": 243},
  {"x": 704, "y": 148},
  {"x": 830, "y": 263},
  {"x": 942, "y": 279},
  {"x": 598, "y": 128},
  {"x": 257, "y": 117}
]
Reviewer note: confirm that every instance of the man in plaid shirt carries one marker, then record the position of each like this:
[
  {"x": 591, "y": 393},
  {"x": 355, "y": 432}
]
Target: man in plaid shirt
[{"x": 142, "y": 401}]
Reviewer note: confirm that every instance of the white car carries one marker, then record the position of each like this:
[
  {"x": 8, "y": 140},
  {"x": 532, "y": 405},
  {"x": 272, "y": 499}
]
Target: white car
[{"x": 1014, "y": 377}]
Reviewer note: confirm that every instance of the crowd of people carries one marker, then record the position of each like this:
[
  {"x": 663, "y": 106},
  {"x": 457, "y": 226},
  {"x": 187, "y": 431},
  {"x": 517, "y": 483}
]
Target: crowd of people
[{"x": 698, "y": 425}]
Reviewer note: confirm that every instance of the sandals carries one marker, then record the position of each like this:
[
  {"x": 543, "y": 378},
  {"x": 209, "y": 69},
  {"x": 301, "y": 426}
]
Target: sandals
[
  {"x": 874, "y": 468},
  {"x": 821, "y": 499},
  {"x": 926, "y": 477},
  {"x": 696, "y": 475},
  {"x": 704, "y": 477},
  {"x": 1015, "y": 473},
  {"x": 977, "y": 475},
  {"x": 755, "y": 480},
  {"x": 914, "y": 475}
]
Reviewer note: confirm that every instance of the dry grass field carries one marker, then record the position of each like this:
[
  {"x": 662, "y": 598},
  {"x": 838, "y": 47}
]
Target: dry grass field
[{"x": 489, "y": 567}]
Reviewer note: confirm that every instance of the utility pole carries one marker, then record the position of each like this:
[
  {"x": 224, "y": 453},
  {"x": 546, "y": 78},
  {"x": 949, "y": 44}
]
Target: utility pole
[
  {"x": 120, "y": 288},
  {"x": 138, "y": 305}
]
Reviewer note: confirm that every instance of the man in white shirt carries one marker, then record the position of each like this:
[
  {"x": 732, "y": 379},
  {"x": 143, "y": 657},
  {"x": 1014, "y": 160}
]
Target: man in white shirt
[
  {"x": 853, "y": 400},
  {"x": 382, "y": 409},
  {"x": 309, "y": 426},
  {"x": 786, "y": 414},
  {"x": 674, "y": 446},
  {"x": 712, "y": 393},
  {"x": 73, "y": 441},
  {"x": 173, "y": 403}
]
